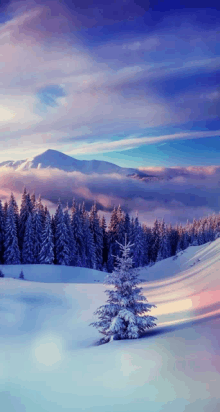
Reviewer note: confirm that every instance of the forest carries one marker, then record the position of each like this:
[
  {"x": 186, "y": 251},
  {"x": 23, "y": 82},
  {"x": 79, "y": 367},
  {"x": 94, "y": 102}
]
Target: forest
[{"x": 77, "y": 237}]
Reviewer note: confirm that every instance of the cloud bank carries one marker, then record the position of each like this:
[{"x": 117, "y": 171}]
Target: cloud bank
[{"x": 181, "y": 194}]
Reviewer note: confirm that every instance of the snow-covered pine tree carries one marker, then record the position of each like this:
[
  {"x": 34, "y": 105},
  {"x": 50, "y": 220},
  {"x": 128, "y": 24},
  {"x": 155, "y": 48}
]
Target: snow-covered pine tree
[
  {"x": 46, "y": 255},
  {"x": 97, "y": 235},
  {"x": 38, "y": 226},
  {"x": 28, "y": 242},
  {"x": 147, "y": 234},
  {"x": 113, "y": 248},
  {"x": 164, "y": 248},
  {"x": 33, "y": 200},
  {"x": 77, "y": 230},
  {"x": 138, "y": 248},
  {"x": 21, "y": 276},
  {"x": 90, "y": 250},
  {"x": 16, "y": 210},
  {"x": 2, "y": 231},
  {"x": 125, "y": 314},
  {"x": 5, "y": 209},
  {"x": 127, "y": 226},
  {"x": 155, "y": 240},
  {"x": 121, "y": 225},
  {"x": 25, "y": 209},
  {"x": 11, "y": 249},
  {"x": 103, "y": 226},
  {"x": 71, "y": 240},
  {"x": 61, "y": 238}
]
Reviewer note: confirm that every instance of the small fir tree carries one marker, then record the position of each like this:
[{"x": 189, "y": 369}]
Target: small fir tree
[
  {"x": 21, "y": 276},
  {"x": 1, "y": 274},
  {"x": 125, "y": 314}
]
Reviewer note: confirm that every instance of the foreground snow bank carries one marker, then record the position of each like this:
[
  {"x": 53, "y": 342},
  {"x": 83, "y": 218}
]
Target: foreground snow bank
[{"x": 49, "y": 360}]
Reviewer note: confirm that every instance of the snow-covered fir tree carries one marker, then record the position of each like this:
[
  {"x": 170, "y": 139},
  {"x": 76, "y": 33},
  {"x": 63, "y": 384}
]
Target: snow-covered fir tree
[
  {"x": 138, "y": 248},
  {"x": 28, "y": 242},
  {"x": 2, "y": 232},
  {"x": 164, "y": 247},
  {"x": 113, "y": 248},
  {"x": 97, "y": 235},
  {"x": 46, "y": 255},
  {"x": 125, "y": 314},
  {"x": 103, "y": 226},
  {"x": 90, "y": 250},
  {"x": 70, "y": 237},
  {"x": 38, "y": 226},
  {"x": 61, "y": 238},
  {"x": 155, "y": 240},
  {"x": 77, "y": 230},
  {"x": 11, "y": 249},
  {"x": 16, "y": 211},
  {"x": 25, "y": 210}
]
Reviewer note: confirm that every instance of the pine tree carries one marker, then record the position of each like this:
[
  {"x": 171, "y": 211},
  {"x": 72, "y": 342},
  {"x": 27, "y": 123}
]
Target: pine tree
[
  {"x": 2, "y": 232},
  {"x": 5, "y": 209},
  {"x": 61, "y": 238},
  {"x": 77, "y": 230},
  {"x": 21, "y": 276},
  {"x": 97, "y": 235},
  {"x": 38, "y": 226},
  {"x": 16, "y": 210},
  {"x": 125, "y": 314},
  {"x": 28, "y": 242},
  {"x": 90, "y": 249},
  {"x": 147, "y": 236},
  {"x": 103, "y": 226},
  {"x": 46, "y": 255},
  {"x": 11, "y": 249},
  {"x": 156, "y": 240},
  {"x": 164, "y": 248},
  {"x": 71, "y": 240},
  {"x": 138, "y": 248},
  {"x": 113, "y": 249},
  {"x": 25, "y": 210}
]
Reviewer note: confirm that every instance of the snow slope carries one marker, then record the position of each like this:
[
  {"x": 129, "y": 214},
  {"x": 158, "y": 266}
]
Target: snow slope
[{"x": 49, "y": 360}]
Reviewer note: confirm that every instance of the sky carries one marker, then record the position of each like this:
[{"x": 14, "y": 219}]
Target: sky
[{"x": 132, "y": 82}]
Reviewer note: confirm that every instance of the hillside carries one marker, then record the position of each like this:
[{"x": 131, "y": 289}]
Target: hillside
[{"x": 48, "y": 353}]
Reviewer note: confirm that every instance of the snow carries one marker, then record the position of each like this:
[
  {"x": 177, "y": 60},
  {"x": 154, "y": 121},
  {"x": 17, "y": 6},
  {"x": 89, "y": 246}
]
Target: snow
[
  {"x": 58, "y": 160},
  {"x": 48, "y": 354}
]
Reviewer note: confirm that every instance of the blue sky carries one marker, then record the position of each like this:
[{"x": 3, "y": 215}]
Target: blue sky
[{"x": 132, "y": 82}]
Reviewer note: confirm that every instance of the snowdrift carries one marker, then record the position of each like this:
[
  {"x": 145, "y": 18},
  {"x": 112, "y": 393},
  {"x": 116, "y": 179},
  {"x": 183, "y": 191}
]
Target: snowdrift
[{"x": 48, "y": 354}]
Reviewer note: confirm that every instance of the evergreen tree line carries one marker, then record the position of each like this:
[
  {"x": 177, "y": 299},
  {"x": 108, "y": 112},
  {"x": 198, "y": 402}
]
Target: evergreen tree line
[{"x": 76, "y": 237}]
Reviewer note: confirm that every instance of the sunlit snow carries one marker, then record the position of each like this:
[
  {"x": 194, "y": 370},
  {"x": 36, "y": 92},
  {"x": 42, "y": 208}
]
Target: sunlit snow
[{"x": 48, "y": 353}]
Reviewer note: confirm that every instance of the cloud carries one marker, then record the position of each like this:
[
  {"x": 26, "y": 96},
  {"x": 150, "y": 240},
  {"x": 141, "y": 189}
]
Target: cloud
[
  {"x": 126, "y": 144},
  {"x": 183, "y": 193},
  {"x": 57, "y": 88}
]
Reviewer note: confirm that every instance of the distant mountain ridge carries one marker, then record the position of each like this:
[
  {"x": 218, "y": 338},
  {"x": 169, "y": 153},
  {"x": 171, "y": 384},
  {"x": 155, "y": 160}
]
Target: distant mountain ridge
[{"x": 58, "y": 160}]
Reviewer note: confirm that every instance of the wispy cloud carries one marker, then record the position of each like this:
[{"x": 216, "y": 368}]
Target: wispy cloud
[{"x": 126, "y": 144}]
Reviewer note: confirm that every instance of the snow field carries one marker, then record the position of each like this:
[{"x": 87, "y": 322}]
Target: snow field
[{"x": 48, "y": 354}]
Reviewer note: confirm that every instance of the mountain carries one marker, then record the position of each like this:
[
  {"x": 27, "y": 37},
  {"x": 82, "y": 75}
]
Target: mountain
[{"x": 55, "y": 159}]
